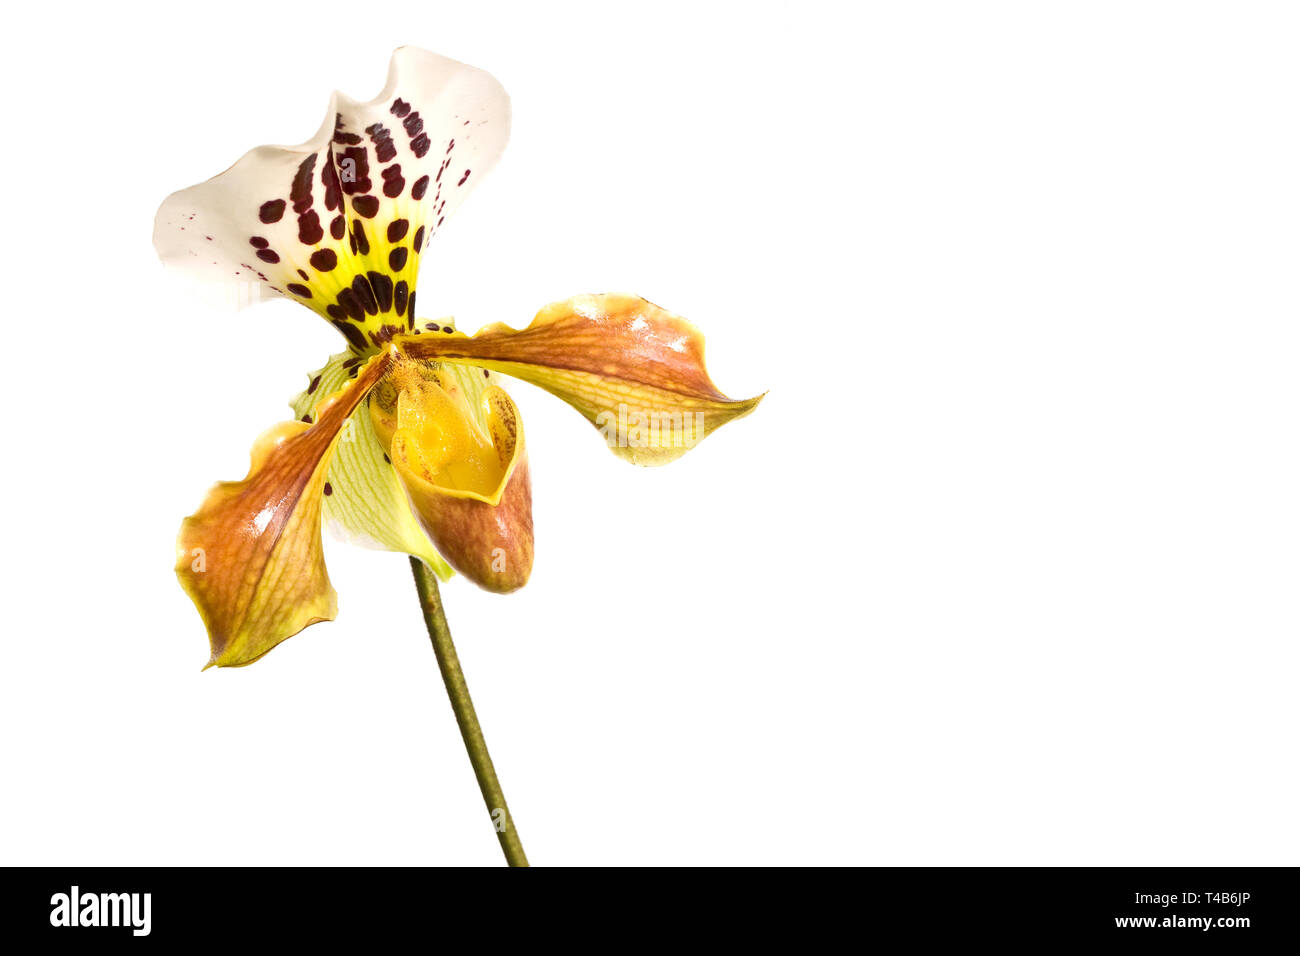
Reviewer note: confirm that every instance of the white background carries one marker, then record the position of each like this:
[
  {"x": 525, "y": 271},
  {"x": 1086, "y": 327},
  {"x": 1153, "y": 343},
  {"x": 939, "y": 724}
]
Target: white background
[{"x": 1002, "y": 571}]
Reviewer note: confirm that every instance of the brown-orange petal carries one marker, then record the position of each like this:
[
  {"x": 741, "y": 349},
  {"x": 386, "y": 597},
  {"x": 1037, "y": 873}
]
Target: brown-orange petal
[
  {"x": 631, "y": 368},
  {"x": 250, "y": 558}
]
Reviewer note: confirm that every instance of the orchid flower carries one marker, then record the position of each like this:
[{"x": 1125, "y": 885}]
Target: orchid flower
[{"x": 406, "y": 440}]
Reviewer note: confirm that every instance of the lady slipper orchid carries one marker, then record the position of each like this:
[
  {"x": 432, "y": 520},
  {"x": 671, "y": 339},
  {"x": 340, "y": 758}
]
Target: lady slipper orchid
[{"x": 405, "y": 441}]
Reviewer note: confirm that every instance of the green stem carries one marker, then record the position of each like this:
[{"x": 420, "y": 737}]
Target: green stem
[{"x": 426, "y": 584}]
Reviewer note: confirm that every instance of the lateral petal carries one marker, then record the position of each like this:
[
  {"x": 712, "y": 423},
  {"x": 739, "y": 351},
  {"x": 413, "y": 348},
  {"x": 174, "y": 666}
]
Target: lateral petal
[
  {"x": 632, "y": 369},
  {"x": 250, "y": 558}
]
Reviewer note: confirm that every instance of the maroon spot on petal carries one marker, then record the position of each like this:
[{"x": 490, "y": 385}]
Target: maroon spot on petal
[
  {"x": 307, "y": 419},
  {"x": 300, "y": 192},
  {"x": 329, "y": 178},
  {"x": 385, "y": 150},
  {"x": 336, "y": 312},
  {"x": 420, "y": 145},
  {"x": 397, "y": 259},
  {"x": 463, "y": 178},
  {"x": 383, "y": 287},
  {"x": 393, "y": 181},
  {"x": 361, "y": 243},
  {"x": 298, "y": 289},
  {"x": 401, "y": 107},
  {"x": 257, "y": 242},
  {"x": 410, "y": 310},
  {"x": 359, "y": 182},
  {"x": 271, "y": 211},
  {"x": 366, "y": 205},
  {"x": 315, "y": 382},
  {"x": 303, "y": 273},
  {"x": 268, "y": 255},
  {"x": 329, "y": 489},
  {"x": 399, "y": 297},
  {"x": 324, "y": 260},
  {"x": 419, "y": 188},
  {"x": 309, "y": 230},
  {"x": 352, "y": 305},
  {"x": 365, "y": 295},
  {"x": 432, "y": 326},
  {"x": 397, "y": 230},
  {"x": 352, "y": 334},
  {"x": 418, "y": 241},
  {"x": 341, "y": 137}
]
